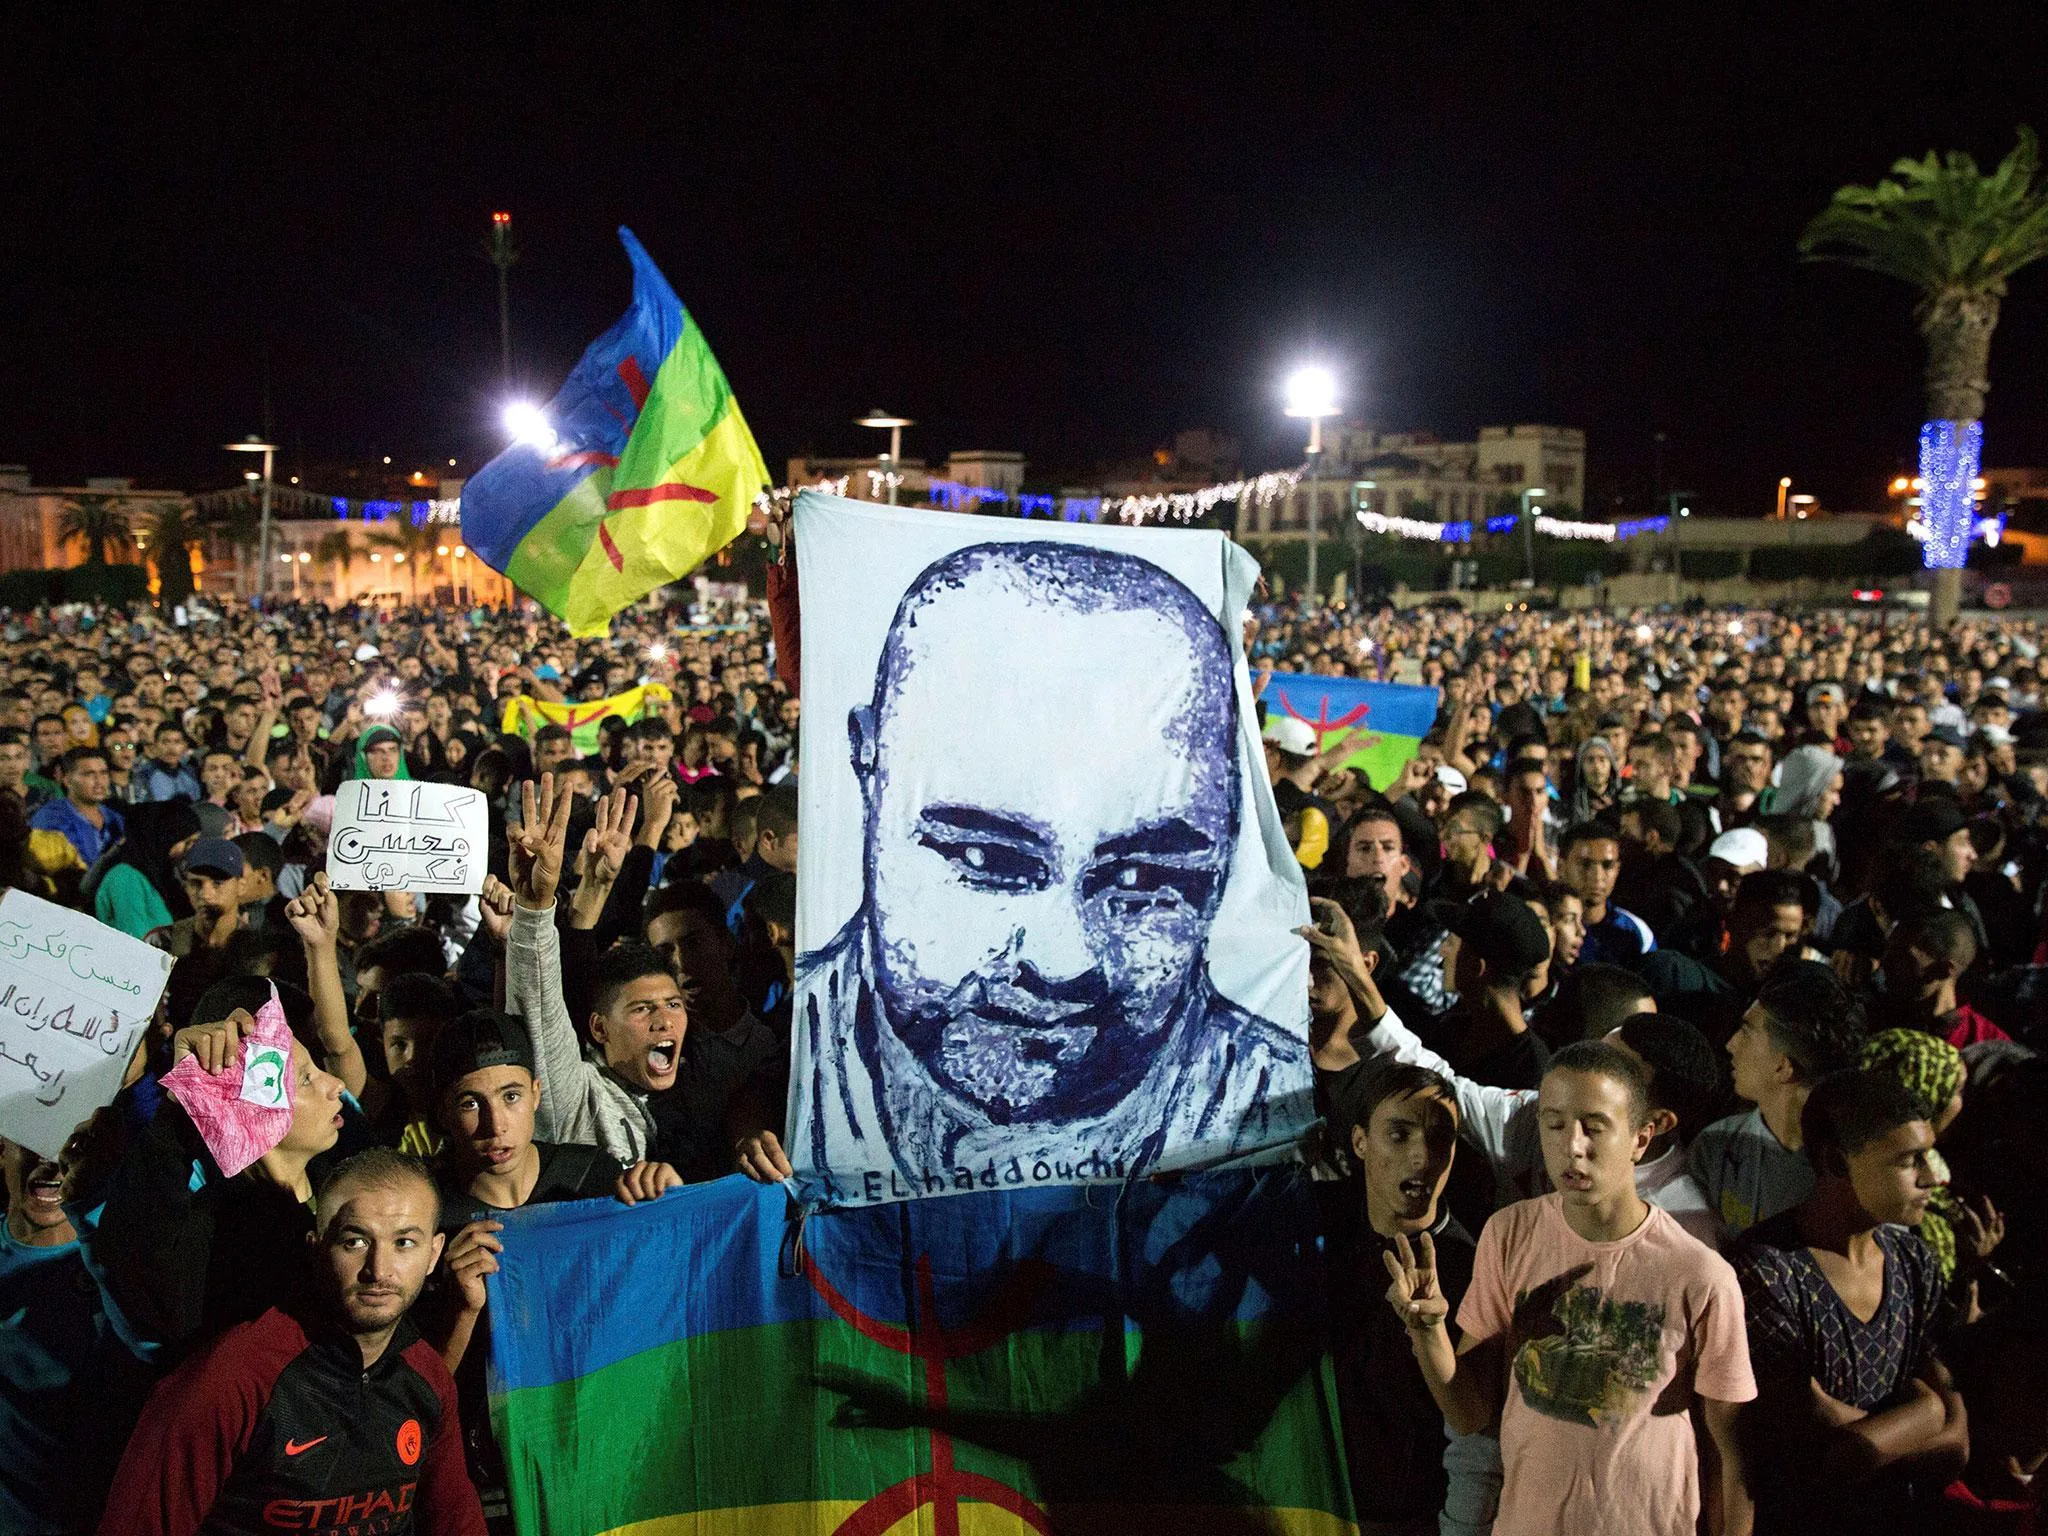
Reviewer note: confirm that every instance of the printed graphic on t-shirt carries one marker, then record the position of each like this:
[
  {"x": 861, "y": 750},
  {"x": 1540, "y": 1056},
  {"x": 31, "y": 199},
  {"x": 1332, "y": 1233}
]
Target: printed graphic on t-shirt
[{"x": 1585, "y": 1359}]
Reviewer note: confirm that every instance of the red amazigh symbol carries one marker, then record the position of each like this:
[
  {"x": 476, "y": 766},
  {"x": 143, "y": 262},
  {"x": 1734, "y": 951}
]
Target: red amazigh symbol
[
  {"x": 611, "y": 548},
  {"x": 1324, "y": 725},
  {"x": 945, "y": 1485}
]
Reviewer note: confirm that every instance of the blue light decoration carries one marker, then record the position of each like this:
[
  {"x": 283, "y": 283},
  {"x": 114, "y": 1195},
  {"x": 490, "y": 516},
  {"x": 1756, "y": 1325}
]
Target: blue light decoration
[
  {"x": 1034, "y": 506},
  {"x": 1081, "y": 509},
  {"x": 1948, "y": 468},
  {"x": 341, "y": 507},
  {"x": 1457, "y": 533},
  {"x": 1628, "y": 530},
  {"x": 1504, "y": 524},
  {"x": 952, "y": 495}
]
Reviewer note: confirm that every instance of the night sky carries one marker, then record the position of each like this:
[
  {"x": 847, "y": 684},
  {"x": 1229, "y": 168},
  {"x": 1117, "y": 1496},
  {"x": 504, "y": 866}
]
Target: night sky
[{"x": 1065, "y": 231}]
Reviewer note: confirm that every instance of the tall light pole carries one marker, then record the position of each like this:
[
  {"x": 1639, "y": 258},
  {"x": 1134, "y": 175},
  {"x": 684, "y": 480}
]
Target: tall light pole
[
  {"x": 1784, "y": 487},
  {"x": 1534, "y": 493},
  {"x": 880, "y": 419},
  {"x": 501, "y": 255},
  {"x": 254, "y": 444},
  {"x": 1312, "y": 393}
]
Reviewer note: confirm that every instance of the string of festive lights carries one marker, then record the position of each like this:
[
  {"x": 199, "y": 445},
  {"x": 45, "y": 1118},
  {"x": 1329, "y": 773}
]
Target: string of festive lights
[
  {"x": 1412, "y": 528},
  {"x": 1186, "y": 506},
  {"x": 1948, "y": 471}
]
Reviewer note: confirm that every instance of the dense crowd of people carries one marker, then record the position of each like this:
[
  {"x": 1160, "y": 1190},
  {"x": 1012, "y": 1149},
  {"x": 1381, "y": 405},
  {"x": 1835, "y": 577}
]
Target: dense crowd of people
[{"x": 1674, "y": 1017}]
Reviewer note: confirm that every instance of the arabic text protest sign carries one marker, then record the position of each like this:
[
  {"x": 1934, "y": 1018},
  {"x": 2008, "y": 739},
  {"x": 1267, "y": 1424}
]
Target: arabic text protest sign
[
  {"x": 75, "y": 997},
  {"x": 402, "y": 835}
]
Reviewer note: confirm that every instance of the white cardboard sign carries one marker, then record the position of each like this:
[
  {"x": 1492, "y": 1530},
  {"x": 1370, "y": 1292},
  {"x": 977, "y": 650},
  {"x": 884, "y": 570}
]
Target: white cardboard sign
[
  {"x": 403, "y": 835},
  {"x": 75, "y": 995}
]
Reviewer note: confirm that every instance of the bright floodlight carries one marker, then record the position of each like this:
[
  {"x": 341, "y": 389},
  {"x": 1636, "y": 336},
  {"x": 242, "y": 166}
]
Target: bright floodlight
[
  {"x": 1312, "y": 392},
  {"x": 527, "y": 423},
  {"x": 381, "y": 705}
]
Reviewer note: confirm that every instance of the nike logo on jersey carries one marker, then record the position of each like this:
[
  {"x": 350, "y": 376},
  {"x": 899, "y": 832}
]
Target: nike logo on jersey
[{"x": 296, "y": 1447}]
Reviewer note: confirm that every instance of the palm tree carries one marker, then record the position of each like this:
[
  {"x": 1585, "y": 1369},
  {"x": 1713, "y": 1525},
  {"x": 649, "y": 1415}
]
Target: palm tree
[
  {"x": 1957, "y": 235},
  {"x": 171, "y": 531},
  {"x": 336, "y": 551},
  {"x": 100, "y": 522},
  {"x": 412, "y": 542}
]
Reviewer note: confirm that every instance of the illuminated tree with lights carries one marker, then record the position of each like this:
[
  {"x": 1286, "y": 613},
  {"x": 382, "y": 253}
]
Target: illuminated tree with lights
[{"x": 1957, "y": 235}]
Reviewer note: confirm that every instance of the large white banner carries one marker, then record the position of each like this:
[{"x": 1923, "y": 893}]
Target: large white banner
[
  {"x": 75, "y": 997},
  {"x": 1046, "y": 911}
]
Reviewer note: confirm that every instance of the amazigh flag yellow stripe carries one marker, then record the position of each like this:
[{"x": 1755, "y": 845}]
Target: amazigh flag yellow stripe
[{"x": 525, "y": 714}]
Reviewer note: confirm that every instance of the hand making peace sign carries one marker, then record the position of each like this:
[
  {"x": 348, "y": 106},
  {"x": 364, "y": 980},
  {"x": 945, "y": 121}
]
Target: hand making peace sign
[{"x": 1414, "y": 1293}]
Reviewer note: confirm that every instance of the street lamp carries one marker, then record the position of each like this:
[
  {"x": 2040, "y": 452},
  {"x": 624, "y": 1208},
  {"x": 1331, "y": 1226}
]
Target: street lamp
[
  {"x": 1534, "y": 493},
  {"x": 1784, "y": 487},
  {"x": 881, "y": 419},
  {"x": 1312, "y": 393},
  {"x": 254, "y": 444}
]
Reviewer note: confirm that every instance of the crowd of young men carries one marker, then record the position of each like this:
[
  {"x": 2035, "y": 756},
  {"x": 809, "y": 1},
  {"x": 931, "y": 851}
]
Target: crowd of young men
[{"x": 1673, "y": 1016}]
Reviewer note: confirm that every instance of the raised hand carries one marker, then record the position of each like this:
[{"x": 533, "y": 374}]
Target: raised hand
[
  {"x": 1413, "y": 1292},
  {"x": 315, "y": 914},
  {"x": 494, "y": 908},
  {"x": 472, "y": 1254},
  {"x": 610, "y": 837},
  {"x": 658, "y": 807},
  {"x": 218, "y": 1045},
  {"x": 535, "y": 845},
  {"x": 1333, "y": 937},
  {"x": 1981, "y": 1226}
]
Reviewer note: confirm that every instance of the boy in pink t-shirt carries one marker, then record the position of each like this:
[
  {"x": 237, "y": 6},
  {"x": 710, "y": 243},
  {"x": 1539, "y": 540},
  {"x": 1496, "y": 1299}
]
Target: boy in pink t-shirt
[{"x": 1592, "y": 1325}]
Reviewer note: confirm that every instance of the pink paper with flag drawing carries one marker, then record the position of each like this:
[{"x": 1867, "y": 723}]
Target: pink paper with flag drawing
[{"x": 244, "y": 1111}]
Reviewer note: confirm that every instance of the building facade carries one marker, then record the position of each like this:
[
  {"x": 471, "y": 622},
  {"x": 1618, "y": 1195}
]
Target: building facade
[{"x": 1412, "y": 474}]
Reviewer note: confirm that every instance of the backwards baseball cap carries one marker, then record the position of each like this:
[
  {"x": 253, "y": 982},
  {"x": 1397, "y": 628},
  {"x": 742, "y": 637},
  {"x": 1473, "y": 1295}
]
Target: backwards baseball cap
[
  {"x": 1297, "y": 738},
  {"x": 1935, "y": 820},
  {"x": 214, "y": 856},
  {"x": 481, "y": 1038},
  {"x": 1821, "y": 691},
  {"x": 1947, "y": 735},
  {"x": 1504, "y": 932},
  {"x": 1742, "y": 848}
]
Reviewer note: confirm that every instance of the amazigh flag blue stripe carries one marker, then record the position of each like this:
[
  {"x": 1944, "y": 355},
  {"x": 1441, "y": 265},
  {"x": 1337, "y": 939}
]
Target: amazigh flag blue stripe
[{"x": 1394, "y": 716}]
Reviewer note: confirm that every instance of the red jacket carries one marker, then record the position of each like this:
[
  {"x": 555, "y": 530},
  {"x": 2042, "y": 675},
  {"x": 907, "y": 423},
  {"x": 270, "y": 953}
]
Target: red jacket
[{"x": 272, "y": 1429}]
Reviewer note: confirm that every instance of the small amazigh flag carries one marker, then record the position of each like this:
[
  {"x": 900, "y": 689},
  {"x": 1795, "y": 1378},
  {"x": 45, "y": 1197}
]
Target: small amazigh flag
[
  {"x": 1382, "y": 723},
  {"x": 644, "y": 468},
  {"x": 524, "y": 714}
]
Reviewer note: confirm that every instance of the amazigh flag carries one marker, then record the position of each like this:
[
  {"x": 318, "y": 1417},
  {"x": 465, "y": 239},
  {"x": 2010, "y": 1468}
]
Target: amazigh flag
[
  {"x": 1040, "y": 1360},
  {"x": 1393, "y": 716},
  {"x": 524, "y": 715},
  {"x": 645, "y": 468}
]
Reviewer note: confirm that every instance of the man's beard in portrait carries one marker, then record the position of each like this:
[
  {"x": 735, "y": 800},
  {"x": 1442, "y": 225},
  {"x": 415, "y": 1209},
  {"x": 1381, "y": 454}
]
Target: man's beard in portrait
[{"x": 1023, "y": 1049}]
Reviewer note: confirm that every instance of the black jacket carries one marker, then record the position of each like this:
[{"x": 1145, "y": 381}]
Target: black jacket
[{"x": 278, "y": 1427}]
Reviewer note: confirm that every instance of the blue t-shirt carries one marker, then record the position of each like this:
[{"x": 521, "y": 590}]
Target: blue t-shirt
[
  {"x": 52, "y": 1333},
  {"x": 1616, "y": 939}
]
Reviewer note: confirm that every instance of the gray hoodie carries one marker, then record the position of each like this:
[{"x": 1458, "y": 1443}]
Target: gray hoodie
[{"x": 580, "y": 1101}]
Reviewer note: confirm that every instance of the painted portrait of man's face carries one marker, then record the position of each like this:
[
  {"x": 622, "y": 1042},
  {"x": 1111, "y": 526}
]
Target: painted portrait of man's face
[{"x": 1040, "y": 889}]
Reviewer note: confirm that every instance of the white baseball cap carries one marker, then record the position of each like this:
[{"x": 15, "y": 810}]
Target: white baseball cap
[
  {"x": 1742, "y": 847},
  {"x": 1297, "y": 738}
]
